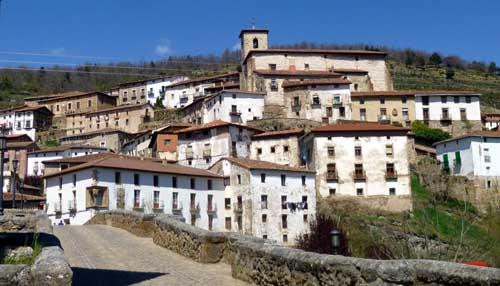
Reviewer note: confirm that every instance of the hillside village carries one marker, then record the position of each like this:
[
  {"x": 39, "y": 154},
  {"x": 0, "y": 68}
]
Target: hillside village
[{"x": 251, "y": 151}]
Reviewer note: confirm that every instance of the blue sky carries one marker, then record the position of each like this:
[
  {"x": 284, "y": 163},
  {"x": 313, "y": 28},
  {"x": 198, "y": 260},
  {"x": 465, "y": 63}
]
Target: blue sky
[{"x": 112, "y": 30}]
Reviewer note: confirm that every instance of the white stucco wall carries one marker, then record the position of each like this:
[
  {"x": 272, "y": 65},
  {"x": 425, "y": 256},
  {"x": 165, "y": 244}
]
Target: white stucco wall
[
  {"x": 36, "y": 159},
  {"x": 107, "y": 179},
  {"x": 473, "y": 109},
  {"x": 250, "y": 105},
  {"x": 154, "y": 87}
]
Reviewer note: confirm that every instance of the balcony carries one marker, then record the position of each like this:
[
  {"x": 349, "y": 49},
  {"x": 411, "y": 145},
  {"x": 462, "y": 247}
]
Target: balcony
[
  {"x": 183, "y": 99},
  {"x": 189, "y": 154},
  {"x": 194, "y": 208},
  {"x": 337, "y": 102},
  {"x": 211, "y": 208},
  {"x": 207, "y": 153},
  {"x": 332, "y": 176},
  {"x": 139, "y": 206},
  {"x": 151, "y": 94},
  {"x": 72, "y": 207},
  {"x": 158, "y": 207},
  {"x": 391, "y": 175},
  {"x": 176, "y": 208},
  {"x": 238, "y": 207},
  {"x": 316, "y": 104},
  {"x": 445, "y": 117},
  {"x": 234, "y": 113},
  {"x": 58, "y": 209},
  {"x": 359, "y": 176},
  {"x": 384, "y": 119}
]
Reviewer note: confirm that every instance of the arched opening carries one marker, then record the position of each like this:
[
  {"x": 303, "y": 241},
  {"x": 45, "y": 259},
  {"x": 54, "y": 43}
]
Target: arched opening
[{"x": 255, "y": 43}]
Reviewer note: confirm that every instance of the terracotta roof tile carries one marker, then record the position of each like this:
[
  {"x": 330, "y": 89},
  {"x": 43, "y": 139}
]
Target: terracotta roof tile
[
  {"x": 137, "y": 164},
  {"x": 200, "y": 79},
  {"x": 264, "y": 165},
  {"x": 331, "y": 81},
  {"x": 67, "y": 147},
  {"x": 80, "y": 159},
  {"x": 73, "y": 94},
  {"x": 358, "y": 127},
  {"x": 279, "y": 133},
  {"x": 215, "y": 124}
]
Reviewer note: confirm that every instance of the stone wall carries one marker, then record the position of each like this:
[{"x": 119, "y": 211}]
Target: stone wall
[
  {"x": 262, "y": 262},
  {"x": 393, "y": 204},
  {"x": 50, "y": 266},
  {"x": 283, "y": 123}
]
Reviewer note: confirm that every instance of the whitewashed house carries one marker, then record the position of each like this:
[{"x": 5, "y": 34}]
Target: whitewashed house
[
  {"x": 25, "y": 120},
  {"x": 183, "y": 93},
  {"x": 201, "y": 146},
  {"x": 491, "y": 121},
  {"x": 475, "y": 155},
  {"x": 139, "y": 145},
  {"x": 267, "y": 200},
  {"x": 156, "y": 88},
  {"x": 359, "y": 159},
  {"x": 280, "y": 147},
  {"x": 36, "y": 166},
  {"x": 457, "y": 112},
  {"x": 234, "y": 106},
  {"x": 75, "y": 194}
]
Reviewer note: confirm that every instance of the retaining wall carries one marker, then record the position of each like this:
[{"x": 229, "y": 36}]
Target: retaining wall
[{"x": 262, "y": 262}]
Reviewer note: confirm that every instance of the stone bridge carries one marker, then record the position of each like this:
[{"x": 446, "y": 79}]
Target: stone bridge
[
  {"x": 123, "y": 248},
  {"x": 104, "y": 255}
]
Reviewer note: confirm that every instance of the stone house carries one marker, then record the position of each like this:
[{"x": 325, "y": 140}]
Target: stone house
[
  {"x": 17, "y": 147},
  {"x": 364, "y": 159},
  {"x": 456, "y": 112},
  {"x": 183, "y": 93},
  {"x": 127, "y": 118},
  {"x": 138, "y": 145},
  {"x": 109, "y": 138},
  {"x": 26, "y": 120},
  {"x": 267, "y": 200},
  {"x": 201, "y": 146},
  {"x": 36, "y": 158},
  {"x": 322, "y": 100},
  {"x": 491, "y": 121},
  {"x": 279, "y": 147},
  {"x": 119, "y": 182},
  {"x": 387, "y": 107},
  {"x": 234, "y": 106},
  {"x": 77, "y": 102},
  {"x": 367, "y": 70}
]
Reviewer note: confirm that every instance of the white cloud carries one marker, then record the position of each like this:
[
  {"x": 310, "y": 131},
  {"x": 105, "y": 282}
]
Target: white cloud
[
  {"x": 58, "y": 51},
  {"x": 162, "y": 49},
  {"x": 236, "y": 46}
]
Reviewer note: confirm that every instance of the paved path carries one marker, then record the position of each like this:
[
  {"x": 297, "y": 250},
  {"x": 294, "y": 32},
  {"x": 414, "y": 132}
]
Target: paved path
[{"x": 103, "y": 255}]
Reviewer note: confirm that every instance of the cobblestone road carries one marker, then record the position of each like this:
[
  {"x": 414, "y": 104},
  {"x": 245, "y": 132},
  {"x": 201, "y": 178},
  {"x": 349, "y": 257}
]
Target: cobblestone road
[{"x": 103, "y": 255}]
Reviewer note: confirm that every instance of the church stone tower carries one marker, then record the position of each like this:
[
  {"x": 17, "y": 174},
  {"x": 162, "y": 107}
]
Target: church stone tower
[{"x": 253, "y": 39}]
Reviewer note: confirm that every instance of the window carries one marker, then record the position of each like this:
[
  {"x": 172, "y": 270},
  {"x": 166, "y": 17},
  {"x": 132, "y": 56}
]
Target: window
[
  {"x": 316, "y": 100},
  {"x": 283, "y": 203},
  {"x": 264, "y": 218},
  {"x": 193, "y": 219},
  {"x": 392, "y": 191},
  {"x": 262, "y": 178},
  {"x": 331, "y": 171},
  {"x": 456, "y": 99},
  {"x": 273, "y": 149},
  {"x": 357, "y": 151},
  {"x": 362, "y": 114},
  {"x": 329, "y": 111},
  {"x": 304, "y": 203},
  {"x": 444, "y": 113},
  {"x": 209, "y": 185},
  {"x": 358, "y": 171},
  {"x": 136, "y": 179},
  {"x": 255, "y": 43},
  {"x": 285, "y": 148},
  {"x": 342, "y": 112},
  {"x": 404, "y": 99},
  {"x": 238, "y": 177},
  {"x": 89, "y": 103},
  {"x": 259, "y": 151},
  {"x": 227, "y": 223},
  {"x": 69, "y": 106},
  {"x": 468, "y": 99},
  {"x": 137, "y": 198},
  {"x": 404, "y": 114},
  {"x": 306, "y": 66},
  {"x": 303, "y": 180},
  {"x": 356, "y": 86},
  {"x": 274, "y": 85},
  {"x": 389, "y": 151},
  {"x": 167, "y": 142},
  {"x": 174, "y": 182},
  {"x": 227, "y": 203},
  {"x": 272, "y": 67},
  {"x": 263, "y": 202},
  {"x": 193, "y": 183},
  {"x": 283, "y": 180},
  {"x": 443, "y": 99},
  {"x": 331, "y": 151},
  {"x": 74, "y": 180},
  {"x": 156, "y": 199},
  {"x": 359, "y": 191},
  {"x": 425, "y": 113},
  {"x": 332, "y": 192},
  {"x": 362, "y": 100},
  {"x": 463, "y": 114},
  {"x": 284, "y": 221},
  {"x": 175, "y": 201},
  {"x": 389, "y": 168},
  {"x": 425, "y": 100},
  {"x": 285, "y": 238},
  {"x": 156, "y": 182}
]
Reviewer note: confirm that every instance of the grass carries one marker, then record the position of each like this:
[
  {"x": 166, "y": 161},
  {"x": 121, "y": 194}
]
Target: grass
[{"x": 37, "y": 249}]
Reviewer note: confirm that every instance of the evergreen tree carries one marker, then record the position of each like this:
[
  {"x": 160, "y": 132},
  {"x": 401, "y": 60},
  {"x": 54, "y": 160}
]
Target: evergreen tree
[
  {"x": 435, "y": 59},
  {"x": 492, "y": 68}
]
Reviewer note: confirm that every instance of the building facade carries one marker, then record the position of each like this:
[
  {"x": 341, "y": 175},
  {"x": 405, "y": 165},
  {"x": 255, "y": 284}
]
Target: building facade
[
  {"x": 491, "y": 121},
  {"x": 201, "y": 146},
  {"x": 144, "y": 91},
  {"x": 75, "y": 194},
  {"x": 127, "y": 118},
  {"x": 109, "y": 138},
  {"x": 267, "y": 200},
  {"x": 77, "y": 102},
  {"x": 25, "y": 120},
  {"x": 359, "y": 159},
  {"x": 279, "y": 147}
]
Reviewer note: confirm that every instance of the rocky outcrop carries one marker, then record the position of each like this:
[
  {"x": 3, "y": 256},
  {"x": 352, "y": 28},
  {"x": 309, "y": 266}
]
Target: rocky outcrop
[
  {"x": 262, "y": 262},
  {"x": 49, "y": 268}
]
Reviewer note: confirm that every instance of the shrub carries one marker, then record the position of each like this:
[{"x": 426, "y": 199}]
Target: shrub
[{"x": 427, "y": 135}]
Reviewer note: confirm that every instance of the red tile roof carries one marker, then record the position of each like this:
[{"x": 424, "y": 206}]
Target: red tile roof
[
  {"x": 280, "y": 133},
  {"x": 137, "y": 164},
  {"x": 7, "y": 196},
  {"x": 81, "y": 159},
  {"x": 200, "y": 79},
  {"x": 74, "y": 94},
  {"x": 264, "y": 165},
  {"x": 208, "y": 97},
  {"x": 215, "y": 124},
  {"x": 331, "y": 81},
  {"x": 67, "y": 147},
  {"x": 358, "y": 127},
  {"x": 410, "y": 93}
]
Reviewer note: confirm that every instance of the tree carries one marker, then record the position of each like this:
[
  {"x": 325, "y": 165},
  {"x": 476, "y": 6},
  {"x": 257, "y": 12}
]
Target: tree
[
  {"x": 453, "y": 62},
  {"x": 492, "y": 68},
  {"x": 435, "y": 59},
  {"x": 319, "y": 239},
  {"x": 159, "y": 103},
  {"x": 427, "y": 135},
  {"x": 450, "y": 73}
]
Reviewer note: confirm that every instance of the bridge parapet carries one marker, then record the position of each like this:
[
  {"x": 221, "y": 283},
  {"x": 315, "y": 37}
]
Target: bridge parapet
[{"x": 262, "y": 262}]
